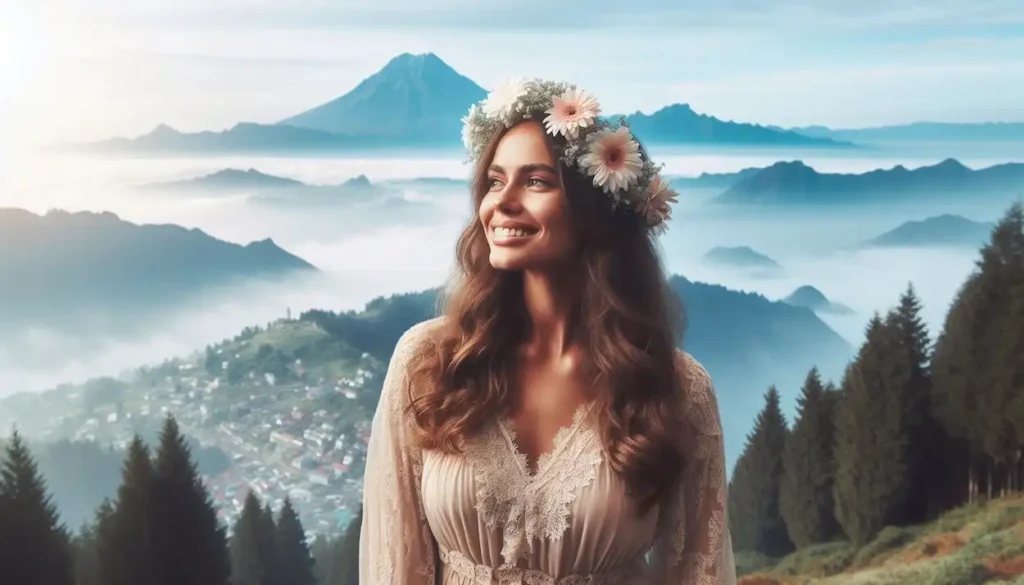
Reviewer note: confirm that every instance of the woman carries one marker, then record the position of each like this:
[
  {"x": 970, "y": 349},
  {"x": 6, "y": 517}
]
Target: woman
[{"x": 546, "y": 430}]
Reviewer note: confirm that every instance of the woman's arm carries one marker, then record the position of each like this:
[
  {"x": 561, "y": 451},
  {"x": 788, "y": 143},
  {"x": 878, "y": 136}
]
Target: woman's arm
[
  {"x": 694, "y": 547},
  {"x": 396, "y": 546}
]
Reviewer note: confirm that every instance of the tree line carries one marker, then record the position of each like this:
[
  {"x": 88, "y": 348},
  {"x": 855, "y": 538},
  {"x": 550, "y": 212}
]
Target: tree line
[
  {"x": 915, "y": 427},
  {"x": 161, "y": 528}
]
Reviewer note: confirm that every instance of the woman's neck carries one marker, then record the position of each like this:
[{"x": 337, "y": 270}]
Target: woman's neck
[{"x": 551, "y": 300}]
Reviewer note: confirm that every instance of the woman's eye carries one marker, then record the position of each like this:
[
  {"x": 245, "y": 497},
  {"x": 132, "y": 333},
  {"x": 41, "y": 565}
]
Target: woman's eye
[
  {"x": 535, "y": 182},
  {"x": 494, "y": 183}
]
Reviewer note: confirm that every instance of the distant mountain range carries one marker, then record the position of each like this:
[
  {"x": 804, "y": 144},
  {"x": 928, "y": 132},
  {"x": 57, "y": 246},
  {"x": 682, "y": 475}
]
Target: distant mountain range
[
  {"x": 795, "y": 183},
  {"x": 921, "y": 132},
  {"x": 355, "y": 193},
  {"x": 713, "y": 180},
  {"x": 773, "y": 341},
  {"x": 418, "y": 101},
  {"x": 939, "y": 231},
  {"x": 743, "y": 258},
  {"x": 813, "y": 299},
  {"x": 62, "y": 269}
]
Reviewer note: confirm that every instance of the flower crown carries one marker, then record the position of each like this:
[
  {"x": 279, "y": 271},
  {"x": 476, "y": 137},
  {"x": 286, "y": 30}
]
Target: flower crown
[{"x": 602, "y": 149}]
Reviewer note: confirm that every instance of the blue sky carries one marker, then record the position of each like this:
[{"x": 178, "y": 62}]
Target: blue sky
[{"x": 84, "y": 69}]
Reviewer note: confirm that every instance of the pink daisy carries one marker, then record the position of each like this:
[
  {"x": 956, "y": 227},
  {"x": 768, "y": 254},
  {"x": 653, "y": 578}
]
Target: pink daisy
[
  {"x": 614, "y": 160},
  {"x": 657, "y": 208},
  {"x": 571, "y": 111}
]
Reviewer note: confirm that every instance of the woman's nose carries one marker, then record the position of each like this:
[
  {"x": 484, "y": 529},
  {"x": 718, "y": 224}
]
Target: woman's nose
[{"x": 510, "y": 198}]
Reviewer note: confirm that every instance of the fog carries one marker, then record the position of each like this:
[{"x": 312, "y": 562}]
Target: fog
[{"x": 368, "y": 253}]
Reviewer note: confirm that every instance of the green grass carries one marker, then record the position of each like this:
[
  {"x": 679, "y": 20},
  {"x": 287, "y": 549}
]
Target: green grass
[{"x": 977, "y": 544}]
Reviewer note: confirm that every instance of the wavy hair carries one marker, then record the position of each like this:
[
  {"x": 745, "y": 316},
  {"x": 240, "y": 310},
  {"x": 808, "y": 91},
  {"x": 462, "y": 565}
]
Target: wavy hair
[{"x": 627, "y": 320}]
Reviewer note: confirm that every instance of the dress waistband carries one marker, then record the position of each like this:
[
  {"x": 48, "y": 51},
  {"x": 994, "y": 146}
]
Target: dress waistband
[{"x": 487, "y": 575}]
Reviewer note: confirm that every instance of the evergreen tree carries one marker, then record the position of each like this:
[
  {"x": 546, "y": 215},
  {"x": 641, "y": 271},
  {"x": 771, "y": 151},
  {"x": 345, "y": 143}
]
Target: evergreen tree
[
  {"x": 976, "y": 375},
  {"x": 871, "y": 442},
  {"x": 268, "y": 528},
  {"x": 127, "y": 556},
  {"x": 294, "y": 562},
  {"x": 84, "y": 555},
  {"x": 754, "y": 516},
  {"x": 323, "y": 554},
  {"x": 805, "y": 493},
  {"x": 35, "y": 548},
  {"x": 251, "y": 557},
  {"x": 925, "y": 439},
  {"x": 189, "y": 542},
  {"x": 345, "y": 568}
]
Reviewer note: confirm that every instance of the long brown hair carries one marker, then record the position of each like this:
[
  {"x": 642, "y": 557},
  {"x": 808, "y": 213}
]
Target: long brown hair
[{"x": 628, "y": 320}]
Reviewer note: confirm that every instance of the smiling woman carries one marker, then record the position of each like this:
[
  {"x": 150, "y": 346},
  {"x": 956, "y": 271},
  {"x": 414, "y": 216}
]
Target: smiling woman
[{"x": 546, "y": 429}]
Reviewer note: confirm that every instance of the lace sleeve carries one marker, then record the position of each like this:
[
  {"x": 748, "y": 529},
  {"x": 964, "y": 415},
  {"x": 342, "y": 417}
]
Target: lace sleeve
[
  {"x": 396, "y": 546},
  {"x": 694, "y": 546}
]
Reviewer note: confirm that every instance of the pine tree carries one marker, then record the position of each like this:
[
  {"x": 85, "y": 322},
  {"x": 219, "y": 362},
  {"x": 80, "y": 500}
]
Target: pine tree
[
  {"x": 926, "y": 442},
  {"x": 268, "y": 529},
  {"x": 871, "y": 443},
  {"x": 975, "y": 372},
  {"x": 754, "y": 517},
  {"x": 250, "y": 558},
  {"x": 294, "y": 562},
  {"x": 805, "y": 492},
  {"x": 189, "y": 542},
  {"x": 127, "y": 556},
  {"x": 323, "y": 554},
  {"x": 346, "y": 560},
  {"x": 35, "y": 548}
]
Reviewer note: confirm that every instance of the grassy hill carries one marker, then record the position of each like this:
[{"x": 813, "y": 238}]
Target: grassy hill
[{"x": 978, "y": 544}]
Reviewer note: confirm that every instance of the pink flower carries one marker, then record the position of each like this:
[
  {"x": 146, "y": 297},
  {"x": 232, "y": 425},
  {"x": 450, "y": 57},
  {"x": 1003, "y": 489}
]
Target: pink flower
[
  {"x": 571, "y": 111},
  {"x": 657, "y": 208},
  {"x": 614, "y": 160}
]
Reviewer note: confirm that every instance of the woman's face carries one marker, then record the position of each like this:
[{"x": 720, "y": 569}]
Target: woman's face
[{"x": 524, "y": 212}]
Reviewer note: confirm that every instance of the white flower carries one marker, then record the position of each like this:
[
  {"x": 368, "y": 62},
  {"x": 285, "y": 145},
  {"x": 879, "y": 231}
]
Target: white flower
[
  {"x": 657, "y": 209},
  {"x": 501, "y": 101},
  {"x": 571, "y": 111},
  {"x": 467, "y": 127},
  {"x": 613, "y": 160}
]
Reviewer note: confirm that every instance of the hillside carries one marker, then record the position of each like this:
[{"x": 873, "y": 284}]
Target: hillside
[
  {"x": 976, "y": 544},
  {"x": 713, "y": 180},
  {"x": 419, "y": 101},
  {"x": 794, "y": 183},
  {"x": 942, "y": 230},
  {"x": 774, "y": 341},
  {"x": 227, "y": 180},
  {"x": 64, "y": 266}
]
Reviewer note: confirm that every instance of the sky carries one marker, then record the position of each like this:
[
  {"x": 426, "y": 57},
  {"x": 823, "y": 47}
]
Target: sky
[{"x": 75, "y": 70}]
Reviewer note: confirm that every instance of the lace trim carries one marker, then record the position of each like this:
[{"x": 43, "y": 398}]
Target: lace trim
[
  {"x": 505, "y": 575},
  {"x": 530, "y": 506}
]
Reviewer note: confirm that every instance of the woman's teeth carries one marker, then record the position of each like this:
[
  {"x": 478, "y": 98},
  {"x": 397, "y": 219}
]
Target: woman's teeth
[{"x": 510, "y": 232}]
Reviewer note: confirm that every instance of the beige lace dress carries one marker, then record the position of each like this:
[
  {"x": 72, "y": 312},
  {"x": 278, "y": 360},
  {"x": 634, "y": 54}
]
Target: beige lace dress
[{"x": 484, "y": 518}]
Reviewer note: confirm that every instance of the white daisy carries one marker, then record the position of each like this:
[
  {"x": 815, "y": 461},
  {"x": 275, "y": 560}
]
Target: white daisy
[{"x": 501, "y": 101}]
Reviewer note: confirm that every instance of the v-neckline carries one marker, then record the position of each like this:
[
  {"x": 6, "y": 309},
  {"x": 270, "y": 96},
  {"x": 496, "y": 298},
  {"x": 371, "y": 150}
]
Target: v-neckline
[{"x": 545, "y": 460}]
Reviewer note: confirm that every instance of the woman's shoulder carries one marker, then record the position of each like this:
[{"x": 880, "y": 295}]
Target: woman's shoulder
[
  {"x": 416, "y": 339},
  {"x": 697, "y": 393}
]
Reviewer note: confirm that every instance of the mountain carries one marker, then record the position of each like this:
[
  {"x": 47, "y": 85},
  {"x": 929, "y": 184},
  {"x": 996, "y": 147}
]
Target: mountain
[
  {"x": 743, "y": 258},
  {"x": 939, "y": 231},
  {"x": 923, "y": 132},
  {"x": 413, "y": 97},
  {"x": 245, "y": 137},
  {"x": 771, "y": 341},
  {"x": 809, "y": 297},
  {"x": 712, "y": 180},
  {"x": 62, "y": 269},
  {"x": 419, "y": 101},
  {"x": 679, "y": 124},
  {"x": 794, "y": 183},
  {"x": 228, "y": 180}
]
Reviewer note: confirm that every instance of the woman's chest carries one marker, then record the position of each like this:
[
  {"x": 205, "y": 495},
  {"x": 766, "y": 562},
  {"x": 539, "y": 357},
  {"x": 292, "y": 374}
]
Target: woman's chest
[{"x": 573, "y": 495}]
